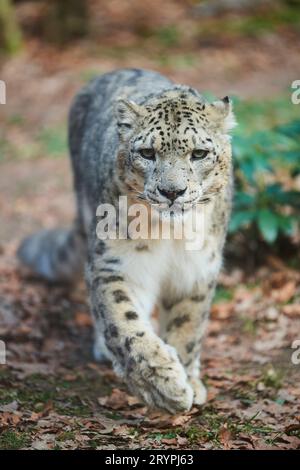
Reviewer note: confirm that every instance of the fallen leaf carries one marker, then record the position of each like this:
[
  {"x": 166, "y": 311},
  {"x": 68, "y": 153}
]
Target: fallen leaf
[
  {"x": 182, "y": 441},
  {"x": 285, "y": 293},
  {"x": 122, "y": 430},
  {"x": 10, "y": 407},
  {"x": 118, "y": 399},
  {"x": 180, "y": 419},
  {"x": 222, "y": 310},
  {"x": 46, "y": 441},
  {"x": 169, "y": 442},
  {"x": 225, "y": 436},
  {"x": 291, "y": 310},
  {"x": 7, "y": 418},
  {"x": 292, "y": 427}
]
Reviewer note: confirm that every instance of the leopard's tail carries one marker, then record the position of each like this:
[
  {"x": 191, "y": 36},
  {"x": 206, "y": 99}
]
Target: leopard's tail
[{"x": 55, "y": 255}]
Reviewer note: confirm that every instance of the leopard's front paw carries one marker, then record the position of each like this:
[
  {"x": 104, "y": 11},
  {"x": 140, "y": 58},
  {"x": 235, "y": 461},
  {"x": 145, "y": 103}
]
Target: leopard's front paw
[
  {"x": 200, "y": 393},
  {"x": 160, "y": 380}
]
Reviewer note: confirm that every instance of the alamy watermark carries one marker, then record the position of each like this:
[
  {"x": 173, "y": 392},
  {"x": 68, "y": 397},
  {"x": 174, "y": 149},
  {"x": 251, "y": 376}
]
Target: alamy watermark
[
  {"x": 140, "y": 222},
  {"x": 295, "y": 358},
  {"x": 2, "y": 353},
  {"x": 2, "y": 92},
  {"x": 295, "y": 97}
]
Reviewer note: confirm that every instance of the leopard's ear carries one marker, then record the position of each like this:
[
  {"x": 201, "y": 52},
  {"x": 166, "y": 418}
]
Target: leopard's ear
[
  {"x": 222, "y": 114},
  {"x": 128, "y": 114}
]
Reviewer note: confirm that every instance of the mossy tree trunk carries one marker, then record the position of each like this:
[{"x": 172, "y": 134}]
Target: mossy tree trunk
[{"x": 10, "y": 35}]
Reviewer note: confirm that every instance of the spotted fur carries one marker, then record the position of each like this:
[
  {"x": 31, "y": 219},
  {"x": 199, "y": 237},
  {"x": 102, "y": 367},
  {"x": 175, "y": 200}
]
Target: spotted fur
[{"x": 135, "y": 133}]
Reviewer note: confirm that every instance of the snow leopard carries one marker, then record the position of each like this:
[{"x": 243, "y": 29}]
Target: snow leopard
[{"x": 134, "y": 133}]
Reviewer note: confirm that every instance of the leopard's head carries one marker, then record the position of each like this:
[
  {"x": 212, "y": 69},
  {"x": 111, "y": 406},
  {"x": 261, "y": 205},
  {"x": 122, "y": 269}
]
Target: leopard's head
[{"x": 174, "y": 149}]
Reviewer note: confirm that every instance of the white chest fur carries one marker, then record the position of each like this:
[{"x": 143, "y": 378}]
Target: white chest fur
[{"x": 155, "y": 267}]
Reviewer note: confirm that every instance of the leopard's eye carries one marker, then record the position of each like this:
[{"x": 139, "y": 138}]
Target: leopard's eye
[
  {"x": 149, "y": 153},
  {"x": 199, "y": 154}
]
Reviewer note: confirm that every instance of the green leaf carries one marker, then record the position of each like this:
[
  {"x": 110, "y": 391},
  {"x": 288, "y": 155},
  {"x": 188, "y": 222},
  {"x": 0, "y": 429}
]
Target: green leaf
[
  {"x": 274, "y": 189},
  {"x": 239, "y": 219},
  {"x": 247, "y": 168},
  {"x": 243, "y": 199},
  {"x": 289, "y": 198},
  {"x": 268, "y": 224},
  {"x": 286, "y": 224},
  {"x": 291, "y": 157},
  {"x": 291, "y": 129}
]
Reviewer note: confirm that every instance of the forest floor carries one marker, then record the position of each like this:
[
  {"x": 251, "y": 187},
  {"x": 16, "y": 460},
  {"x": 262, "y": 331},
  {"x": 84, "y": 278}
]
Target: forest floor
[
  {"x": 54, "y": 396},
  {"x": 52, "y": 393}
]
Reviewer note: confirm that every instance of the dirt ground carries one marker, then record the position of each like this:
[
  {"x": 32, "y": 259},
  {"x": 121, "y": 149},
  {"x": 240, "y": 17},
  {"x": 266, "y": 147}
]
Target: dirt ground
[{"x": 52, "y": 393}]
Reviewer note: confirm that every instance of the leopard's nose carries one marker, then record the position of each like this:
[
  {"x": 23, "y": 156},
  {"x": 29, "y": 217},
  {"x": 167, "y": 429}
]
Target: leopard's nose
[{"x": 171, "y": 195}]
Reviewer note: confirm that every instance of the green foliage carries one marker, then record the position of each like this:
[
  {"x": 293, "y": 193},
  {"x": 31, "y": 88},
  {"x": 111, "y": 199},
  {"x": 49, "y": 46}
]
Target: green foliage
[
  {"x": 54, "y": 141},
  {"x": 266, "y": 159},
  {"x": 169, "y": 36},
  {"x": 11, "y": 440},
  {"x": 222, "y": 295},
  {"x": 272, "y": 377},
  {"x": 259, "y": 21}
]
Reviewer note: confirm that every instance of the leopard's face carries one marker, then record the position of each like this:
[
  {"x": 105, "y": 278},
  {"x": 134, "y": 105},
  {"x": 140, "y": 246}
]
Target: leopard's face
[{"x": 175, "y": 150}]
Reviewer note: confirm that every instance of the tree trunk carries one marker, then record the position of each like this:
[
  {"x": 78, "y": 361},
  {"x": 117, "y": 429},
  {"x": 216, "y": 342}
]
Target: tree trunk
[{"x": 10, "y": 35}]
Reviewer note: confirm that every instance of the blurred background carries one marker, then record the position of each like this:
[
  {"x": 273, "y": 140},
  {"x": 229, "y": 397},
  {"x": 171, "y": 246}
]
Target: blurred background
[{"x": 247, "y": 49}]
